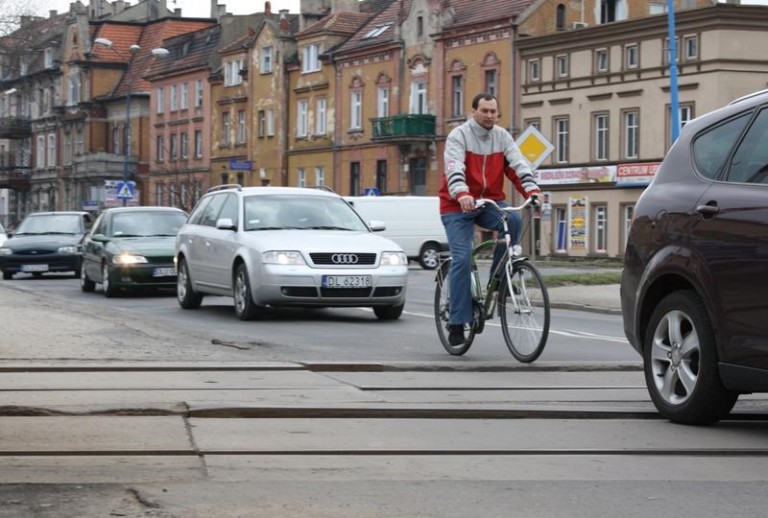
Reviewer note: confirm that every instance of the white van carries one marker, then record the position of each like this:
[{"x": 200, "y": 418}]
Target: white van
[{"x": 413, "y": 222}]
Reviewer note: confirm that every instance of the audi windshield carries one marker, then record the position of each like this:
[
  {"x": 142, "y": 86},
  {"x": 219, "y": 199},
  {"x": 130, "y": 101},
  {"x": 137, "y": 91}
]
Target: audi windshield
[{"x": 286, "y": 212}]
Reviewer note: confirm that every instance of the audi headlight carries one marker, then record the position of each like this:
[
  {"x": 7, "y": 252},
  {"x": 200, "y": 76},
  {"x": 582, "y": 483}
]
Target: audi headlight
[
  {"x": 129, "y": 259},
  {"x": 69, "y": 250},
  {"x": 5, "y": 251},
  {"x": 284, "y": 257},
  {"x": 393, "y": 259}
]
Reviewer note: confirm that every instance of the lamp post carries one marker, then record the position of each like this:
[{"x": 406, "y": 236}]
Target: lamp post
[{"x": 127, "y": 140}]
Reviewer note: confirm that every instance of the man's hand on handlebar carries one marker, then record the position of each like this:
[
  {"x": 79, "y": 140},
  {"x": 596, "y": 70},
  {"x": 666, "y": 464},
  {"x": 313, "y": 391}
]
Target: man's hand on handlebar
[{"x": 467, "y": 203}]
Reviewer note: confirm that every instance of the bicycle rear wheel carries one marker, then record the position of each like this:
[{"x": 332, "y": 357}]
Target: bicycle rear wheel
[
  {"x": 524, "y": 313},
  {"x": 443, "y": 311}
]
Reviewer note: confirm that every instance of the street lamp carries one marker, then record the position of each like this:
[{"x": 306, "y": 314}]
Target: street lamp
[{"x": 134, "y": 49}]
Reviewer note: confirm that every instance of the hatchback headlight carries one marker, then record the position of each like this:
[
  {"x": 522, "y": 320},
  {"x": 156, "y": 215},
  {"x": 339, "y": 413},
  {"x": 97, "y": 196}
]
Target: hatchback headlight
[
  {"x": 6, "y": 251},
  {"x": 284, "y": 257},
  {"x": 129, "y": 259},
  {"x": 69, "y": 250},
  {"x": 393, "y": 259}
]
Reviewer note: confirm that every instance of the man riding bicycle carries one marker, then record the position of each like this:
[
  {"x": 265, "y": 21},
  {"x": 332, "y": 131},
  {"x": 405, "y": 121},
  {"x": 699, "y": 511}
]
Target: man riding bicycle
[{"x": 478, "y": 155}]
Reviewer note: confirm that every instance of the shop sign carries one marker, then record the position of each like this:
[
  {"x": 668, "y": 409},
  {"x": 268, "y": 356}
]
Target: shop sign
[
  {"x": 636, "y": 175},
  {"x": 572, "y": 175},
  {"x": 578, "y": 223}
]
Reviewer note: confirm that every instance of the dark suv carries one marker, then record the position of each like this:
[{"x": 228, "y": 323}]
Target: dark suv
[{"x": 694, "y": 290}]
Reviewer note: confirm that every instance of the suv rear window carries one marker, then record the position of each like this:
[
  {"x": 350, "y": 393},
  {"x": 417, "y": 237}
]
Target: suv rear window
[{"x": 711, "y": 148}]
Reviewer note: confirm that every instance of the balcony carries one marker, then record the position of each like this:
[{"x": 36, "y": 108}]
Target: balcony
[
  {"x": 404, "y": 127},
  {"x": 15, "y": 127},
  {"x": 14, "y": 180}
]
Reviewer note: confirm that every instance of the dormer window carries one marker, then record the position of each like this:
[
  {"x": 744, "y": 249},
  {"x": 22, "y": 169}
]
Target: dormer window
[
  {"x": 376, "y": 31},
  {"x": 48, "y": 58}
]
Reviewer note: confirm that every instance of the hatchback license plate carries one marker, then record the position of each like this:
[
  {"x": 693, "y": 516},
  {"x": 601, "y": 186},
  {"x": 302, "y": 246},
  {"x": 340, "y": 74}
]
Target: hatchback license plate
[
  {"x": 163, "y": 272},
  {"x": 346, "y": 281},
  {"x": 34, "y": 267}
]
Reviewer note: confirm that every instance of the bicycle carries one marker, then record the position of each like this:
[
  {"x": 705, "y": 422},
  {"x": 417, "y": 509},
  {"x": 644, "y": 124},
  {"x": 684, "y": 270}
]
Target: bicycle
[{"x": 523, "y": 310}]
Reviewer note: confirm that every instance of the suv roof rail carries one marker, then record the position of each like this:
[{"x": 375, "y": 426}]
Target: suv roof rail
[
  {"x": 225, "y": 186},
  {"x": 748, "y": 96}
]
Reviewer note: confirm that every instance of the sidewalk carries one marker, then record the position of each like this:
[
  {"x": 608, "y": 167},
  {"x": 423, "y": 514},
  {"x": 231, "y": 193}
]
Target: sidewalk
[{"x": 601, "y": 298}]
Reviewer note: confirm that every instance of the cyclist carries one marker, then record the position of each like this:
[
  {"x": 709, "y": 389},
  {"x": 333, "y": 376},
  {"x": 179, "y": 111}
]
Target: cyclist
[{"x": 478, "y": 156}]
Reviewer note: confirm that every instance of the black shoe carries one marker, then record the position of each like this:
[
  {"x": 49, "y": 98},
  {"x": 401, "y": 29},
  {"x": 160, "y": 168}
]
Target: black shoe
[{"x": 456, "y": 334}]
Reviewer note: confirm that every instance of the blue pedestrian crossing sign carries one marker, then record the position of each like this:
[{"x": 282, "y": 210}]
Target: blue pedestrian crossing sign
[
  {"x": 125, "y": 190},
  {"x": 371, "y": 191}
]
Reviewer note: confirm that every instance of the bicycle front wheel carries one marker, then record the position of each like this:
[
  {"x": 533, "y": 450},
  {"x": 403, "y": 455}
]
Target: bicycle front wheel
[
  {"x": 524, "y": 313},
  {"x": 443, "y": 311}
]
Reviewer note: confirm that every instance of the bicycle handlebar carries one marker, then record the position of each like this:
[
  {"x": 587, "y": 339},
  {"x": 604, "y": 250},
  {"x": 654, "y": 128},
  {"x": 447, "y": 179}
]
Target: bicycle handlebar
[{"x": 479, "y": 202}]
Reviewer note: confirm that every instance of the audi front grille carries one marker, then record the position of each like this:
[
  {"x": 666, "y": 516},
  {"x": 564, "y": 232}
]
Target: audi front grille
[{"x": 343, "y": 259}]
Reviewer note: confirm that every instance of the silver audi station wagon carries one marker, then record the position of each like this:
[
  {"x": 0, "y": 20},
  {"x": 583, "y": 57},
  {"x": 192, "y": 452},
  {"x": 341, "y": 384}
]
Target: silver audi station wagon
[{"x": 287, "y": 246}]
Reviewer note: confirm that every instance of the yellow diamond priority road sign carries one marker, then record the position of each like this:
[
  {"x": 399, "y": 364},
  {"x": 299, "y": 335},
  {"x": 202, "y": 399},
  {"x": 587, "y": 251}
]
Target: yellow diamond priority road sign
[{"x": 534, "y": 146}]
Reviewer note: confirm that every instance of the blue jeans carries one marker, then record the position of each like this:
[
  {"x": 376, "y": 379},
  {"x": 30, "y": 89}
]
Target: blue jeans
[{"x": 460, "y": 228}]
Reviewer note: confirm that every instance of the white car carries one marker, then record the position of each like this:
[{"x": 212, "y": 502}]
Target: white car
[
  {"x": 287, "y": 246},
  {"x": 3, "y": 235}
]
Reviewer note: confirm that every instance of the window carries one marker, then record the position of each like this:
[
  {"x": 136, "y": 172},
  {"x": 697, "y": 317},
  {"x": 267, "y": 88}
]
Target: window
[
  {"x": 185, "y": 145},
  {"x": 686, "y": 114},
  {"x": 631, "y": 124},
  {"x": 561, "y": 66},
  {"x": 270, "y": 123},
  {"x": 608, "y": 10},
  {"x": 198, "y": 143},
  {"x": 67, "y": 149},
  {"x": 160, "y": 148},
  {"x": 601, "y": 136},
  {"x": 301, "y": 177},
  {"x": 311, "y": 59},
  {"x": 691, "y": 48},
  {"x": 382, "y": 101},
  {"x": 320, "y": 117},
  {"x": 601, "y": 61},
  {"x": 418, "y": 98},
  {"x": 457, "y": 96},
  {"x": 73, "y": 84},
  {"x": 492, "y": 82},
  {"x": 561, "y": 140},
  {"x": 600, "y": 234},
  {"x": 266, "y": 60},
  {"x": 262, "y": 123},
  {"x": 51, "y": 150},
  {"x": 226, "y": 128},
  {"x": 419, "y": 26},
  {"x": 536, "y": 123},
  {"x": 561, "y": 231},
  {"x": 173, "y": 98},
  {"x": 184, "y": 96},
  {"x": 711, "y": 148},
  {"x": 534, "y": 70},
  {"x": 159, "y": 194},
  {"x": 356, "y": 111},
  {"x": 116, "y": 140},
  {"x": 560, "y": 17},
  {"x": 629, "y": 214},
  {"x": 319, "y": 176},
  {"x": 232, "y": 75},
  {"x": 631, "y": 57},
  {"x": 173, "y": 152},
  {"x": 354, "y": 178},
  {"x": 241, "y": 127},
  {"x": 79, "y": 142},
  {"x": 198, "y": 93},
  {"x": 160, "y": 99},
  {"x": 666, "y": 50},
  {"x": 378, "y": 31},
  {"x": 48, "y": 58},
  {"x": 381, "y": 176},
  {"x": 40, "y": 155},
  {"x": 302, "y": 119}
]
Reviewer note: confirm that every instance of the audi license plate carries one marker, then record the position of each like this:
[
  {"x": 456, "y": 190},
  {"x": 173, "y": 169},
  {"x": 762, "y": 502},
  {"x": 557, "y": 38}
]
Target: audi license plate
[
  {"x": 34, "y": 267},
  {"x": 164, "y": 272},
  {"x": 346, "y": 281}
]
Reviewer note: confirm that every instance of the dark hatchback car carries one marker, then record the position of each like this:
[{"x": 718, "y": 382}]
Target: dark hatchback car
[
  {"x": 695, "y": 278},
  {"x": 45, "y": 242},
  {"x": 131, "y": 248}
]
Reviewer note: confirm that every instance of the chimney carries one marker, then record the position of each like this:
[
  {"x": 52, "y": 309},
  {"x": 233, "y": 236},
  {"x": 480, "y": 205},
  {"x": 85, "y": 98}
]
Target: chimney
[
  {"x": 177, "y": 12},
  {"x": 268, "y": 8},
  {"x": 52, "y": 13},
  {"x": 214, "y": 9}
]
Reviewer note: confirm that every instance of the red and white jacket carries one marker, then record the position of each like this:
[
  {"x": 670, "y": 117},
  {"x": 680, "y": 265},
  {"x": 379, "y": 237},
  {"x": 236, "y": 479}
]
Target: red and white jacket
[{"x": 476, "y": 161}]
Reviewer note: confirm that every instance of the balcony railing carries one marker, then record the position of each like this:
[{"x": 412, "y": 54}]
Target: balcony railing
[
  {"x": 17, "y": 181},
  {"x": 15, "y": 127},
  {"x": 404, "y": 127},
  {"x": 10, "y": 160}
]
